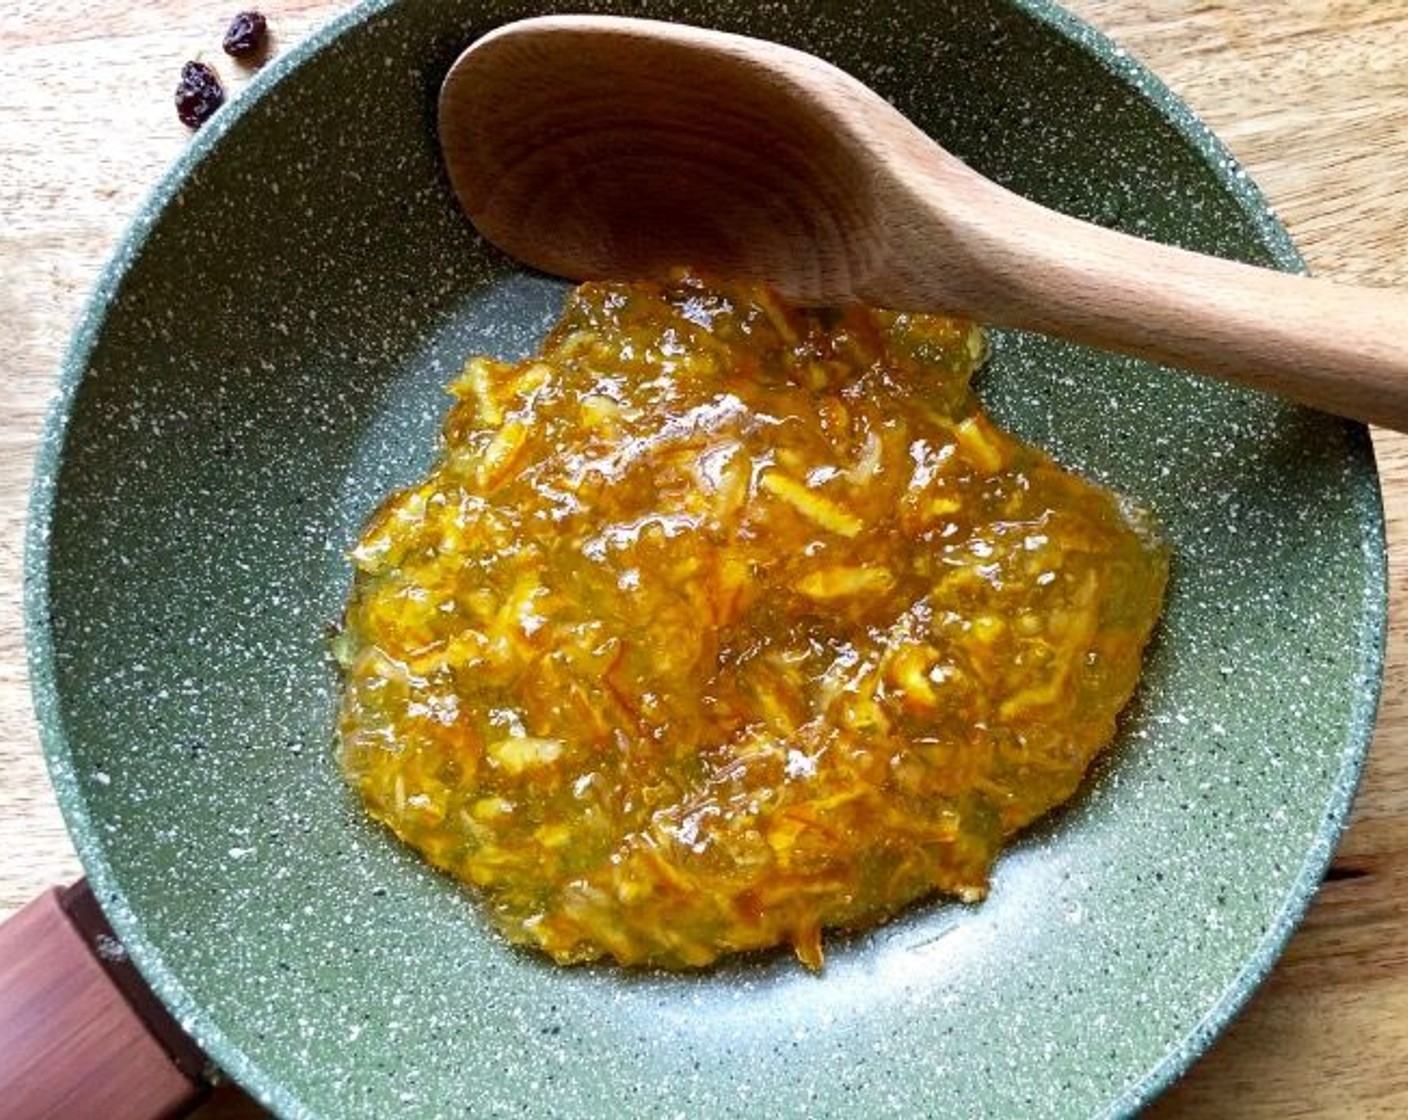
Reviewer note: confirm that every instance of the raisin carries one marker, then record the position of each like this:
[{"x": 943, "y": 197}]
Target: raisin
[
  {"x": 198, "y": 95},
  {"x": 247, "y": 36}
]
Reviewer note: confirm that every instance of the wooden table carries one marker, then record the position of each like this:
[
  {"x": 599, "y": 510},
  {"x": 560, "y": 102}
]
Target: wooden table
[{"x": 1312, "y": 95}]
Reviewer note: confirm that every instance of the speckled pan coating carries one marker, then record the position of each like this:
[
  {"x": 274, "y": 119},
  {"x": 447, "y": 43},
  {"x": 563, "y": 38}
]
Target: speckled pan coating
[{"x": 262, "y": 360}]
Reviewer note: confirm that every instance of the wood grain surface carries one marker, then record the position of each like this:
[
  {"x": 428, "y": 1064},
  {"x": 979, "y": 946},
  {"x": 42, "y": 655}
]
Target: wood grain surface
[{"x": 1311, "y": 95}]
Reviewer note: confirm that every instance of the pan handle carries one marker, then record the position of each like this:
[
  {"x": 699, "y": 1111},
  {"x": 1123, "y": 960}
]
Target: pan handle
[{"x": 80, "y": 1032}]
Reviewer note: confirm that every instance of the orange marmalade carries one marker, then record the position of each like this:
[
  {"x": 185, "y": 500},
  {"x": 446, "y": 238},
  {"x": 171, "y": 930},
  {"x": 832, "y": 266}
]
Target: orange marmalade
[{"x": 719, "y": 623}]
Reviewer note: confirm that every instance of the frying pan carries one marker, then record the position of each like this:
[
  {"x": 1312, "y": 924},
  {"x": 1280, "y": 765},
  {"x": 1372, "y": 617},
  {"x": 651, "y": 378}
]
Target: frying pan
[{"x": 263, "y": 359}]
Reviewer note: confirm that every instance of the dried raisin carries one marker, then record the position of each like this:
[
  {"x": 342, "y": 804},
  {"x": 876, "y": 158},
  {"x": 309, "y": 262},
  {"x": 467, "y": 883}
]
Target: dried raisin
[
  {"x": 247, "y": 36},
  {"x": 198, "y": 95}
]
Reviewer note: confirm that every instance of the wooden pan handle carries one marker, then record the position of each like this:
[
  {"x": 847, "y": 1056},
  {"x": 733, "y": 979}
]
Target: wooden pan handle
[{"x": 80, "y": 1033}]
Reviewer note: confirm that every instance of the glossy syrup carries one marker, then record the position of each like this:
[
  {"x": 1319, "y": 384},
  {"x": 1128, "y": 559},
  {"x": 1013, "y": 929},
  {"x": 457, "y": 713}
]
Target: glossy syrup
[{"x": 719, "y": 623}]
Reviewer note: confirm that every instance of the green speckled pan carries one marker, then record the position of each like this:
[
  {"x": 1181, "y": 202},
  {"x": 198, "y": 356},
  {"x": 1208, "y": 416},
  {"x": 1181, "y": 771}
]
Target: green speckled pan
[{"x": 263, "y": 359}]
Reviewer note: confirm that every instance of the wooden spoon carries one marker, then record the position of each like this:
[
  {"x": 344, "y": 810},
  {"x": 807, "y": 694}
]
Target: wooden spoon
[{"x": 600, "y": 147}]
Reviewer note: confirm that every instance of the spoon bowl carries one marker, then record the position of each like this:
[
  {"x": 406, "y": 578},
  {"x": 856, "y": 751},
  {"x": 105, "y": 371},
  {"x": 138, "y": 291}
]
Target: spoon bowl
[
  {"x": 689, "y": 153},
  {"x": 652, "y": 145}
]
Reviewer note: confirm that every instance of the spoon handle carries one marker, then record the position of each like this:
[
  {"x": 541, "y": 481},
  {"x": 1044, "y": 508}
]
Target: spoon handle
[{"x": 1336, "y": 347}]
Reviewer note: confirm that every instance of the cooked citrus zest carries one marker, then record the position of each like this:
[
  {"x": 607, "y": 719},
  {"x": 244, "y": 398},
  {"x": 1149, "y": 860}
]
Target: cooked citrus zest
[{"x": 719, "y": 623}]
